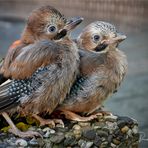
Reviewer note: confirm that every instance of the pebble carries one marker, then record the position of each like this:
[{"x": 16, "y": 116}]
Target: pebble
[
  {"x": 104, "y": 144},
  {"x": 47, "y": 134},
  {"x": 115, "y": 141},
  {"x": 125, "y": 129},
  {"x": 129, "y": 133},
  {"x": 21, "y": 142},
  {"x": 113, "y": 145},
  {"x": 102, "y": 133},
  {"x": 121, "y": 123},
  {"x": 48, "y": 131},
  {"x": 88, "y": 144},
  {"x": 89, "y": 134},
  {"x": 135, "y": 129},
  {"x": 97, "y": 141},
  {"x": 126, "y": 120},
  {"x": 58, "y": 138},
  {"x": 85, "y": 144},
  {"x": 48, "y": 145},
  {"x": 84, "y": 124},
  {"x": 77, "y": 127},
  {"x": 80, "y": 142},
  {"x": 70, "y": 141},
  {"x": 111, "y": 118},
  {"x": 77, "y": 131},
  {"x": 109, "y": 139},
  {"x": 33, "y": 142},
  {"x": 4, "y": 145}
]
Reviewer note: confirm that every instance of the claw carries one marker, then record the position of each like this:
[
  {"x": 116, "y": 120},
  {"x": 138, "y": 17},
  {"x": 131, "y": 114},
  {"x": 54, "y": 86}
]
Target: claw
[
  {"x": 49, "y": 122},
  {"x": 29, "y": 134}
]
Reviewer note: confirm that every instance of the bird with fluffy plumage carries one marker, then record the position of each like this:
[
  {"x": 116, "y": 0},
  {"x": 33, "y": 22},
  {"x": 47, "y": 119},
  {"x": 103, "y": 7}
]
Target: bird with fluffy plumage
[
  {"x": 42, "y": 67},
  {"x": 102, "y": 69}
]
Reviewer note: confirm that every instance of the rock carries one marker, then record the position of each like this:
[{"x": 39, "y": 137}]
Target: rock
[
  {"x": 111, "y": 118},
  {"x": 48, "y": 129},
  {"x": 58, "y": 138},
  {"x": 84, "y": 124},
  {"x": 115, "y": 141},
  {"x": 125, "y": 129},
  {"x": 109, "y": 139},
  {"x": 121, "y": 123},
  {"x": 127, "y": 120},
  {"x": 85, "y": 144},
  {"x": 21, "y": 142},
  {"x": 33, "y": 142},
  {"x": 113, "y": 145},
  {"x": 48, "y": 132},
  {"x": 97, "y": 141},
  {"x": 47, "y": 144},
  {"x": 135, "y": 129},
  {"x": 89, "y": 134},
  {"x": 129, "y": 133},
  {"x": 70, "y": 141},
  {"x": 104, "y": 144},
  {"x": 4, "y": 145},
  {"x": 77, "y": 127},
  {"x": 89, "y": 144},
  {"x": 77, "y": 131},
  {"x": 80, "y": 142},
  {"x": 102, "y": 133}
]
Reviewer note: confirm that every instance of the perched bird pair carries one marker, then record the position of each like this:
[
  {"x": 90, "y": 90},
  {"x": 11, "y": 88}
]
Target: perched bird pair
[
  {"x": 42, "y": 65},
  {"x": 101, "y": 70}
]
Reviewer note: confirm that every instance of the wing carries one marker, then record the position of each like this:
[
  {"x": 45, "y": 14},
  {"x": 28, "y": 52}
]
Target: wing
[
  {"x": 22, "y": 91},
  {"x": 33, "y": 56},
  {"x": 5, "y": 63}
]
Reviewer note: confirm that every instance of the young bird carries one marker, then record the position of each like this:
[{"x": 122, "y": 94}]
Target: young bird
[
  {"x": 42, "y": 71},
  {"x": 102, "y": 69}
]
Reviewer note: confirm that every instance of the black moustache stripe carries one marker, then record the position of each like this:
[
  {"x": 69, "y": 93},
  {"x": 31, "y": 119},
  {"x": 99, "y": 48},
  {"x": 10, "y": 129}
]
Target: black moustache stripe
[
  {"x": 101, "y": 47},
  {"x": 61, "y": 34}
]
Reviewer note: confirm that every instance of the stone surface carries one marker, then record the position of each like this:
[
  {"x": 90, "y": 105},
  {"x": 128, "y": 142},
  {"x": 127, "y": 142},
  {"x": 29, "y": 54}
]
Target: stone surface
[{"x": 103, "y": 132}]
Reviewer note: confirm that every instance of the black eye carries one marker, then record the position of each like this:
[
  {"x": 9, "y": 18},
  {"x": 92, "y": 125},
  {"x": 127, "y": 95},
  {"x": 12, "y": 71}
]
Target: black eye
[
  {"x": 52, "y": 29},
  {"x": 96, "y": 38}
]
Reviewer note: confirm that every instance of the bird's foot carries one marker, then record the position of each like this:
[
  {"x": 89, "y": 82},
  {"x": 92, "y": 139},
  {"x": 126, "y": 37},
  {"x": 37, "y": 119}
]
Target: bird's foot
[
  {"x": 102, "y": 112},
  {"x": 29, "y": 134},
  {"x": 73, "y": 116},
  {"x": 49, "y": 122}
]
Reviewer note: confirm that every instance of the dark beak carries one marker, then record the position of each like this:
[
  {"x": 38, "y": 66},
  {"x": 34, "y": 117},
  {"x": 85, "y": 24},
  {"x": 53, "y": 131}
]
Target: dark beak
[{"x": 72, "y": 23}]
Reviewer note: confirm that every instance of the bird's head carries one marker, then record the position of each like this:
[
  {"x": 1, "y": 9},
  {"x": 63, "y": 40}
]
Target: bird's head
[
  {"x": 47, "y": 23},
  {"x": 100, "y": 37}
]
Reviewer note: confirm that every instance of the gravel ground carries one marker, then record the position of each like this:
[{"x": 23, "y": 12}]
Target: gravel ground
[{"x": 104, "y": 132}]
